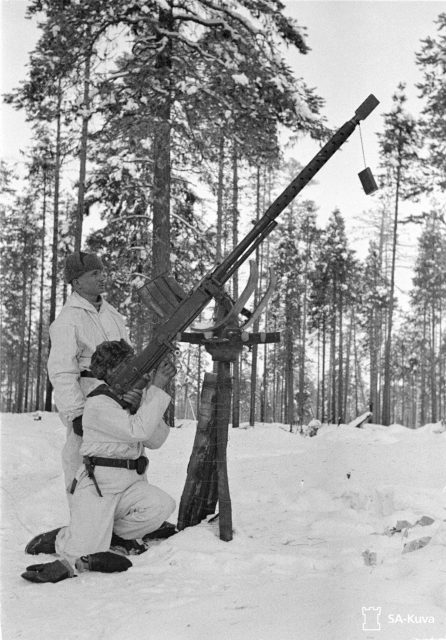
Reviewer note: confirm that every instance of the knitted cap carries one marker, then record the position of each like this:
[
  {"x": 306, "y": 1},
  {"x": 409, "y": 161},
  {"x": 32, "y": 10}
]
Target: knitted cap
[{"x": 78, "y": 263}]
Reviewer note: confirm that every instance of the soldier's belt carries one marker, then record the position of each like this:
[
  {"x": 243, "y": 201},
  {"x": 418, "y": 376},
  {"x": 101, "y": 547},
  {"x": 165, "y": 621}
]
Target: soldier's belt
[{"x": 139, "y": 465}]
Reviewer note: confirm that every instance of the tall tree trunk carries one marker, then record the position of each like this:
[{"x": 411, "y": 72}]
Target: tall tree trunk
[
  {"x": 83, "y": 156},
  {"x": 386, "y": 411},
  {"x": 220, "y": 190},
  {"x": 318, "y": 375},
  {"x": 283, "y": 398},
  {"x": 423, "y": 370},
  {"x": 162, "y": 167},
  {"x": 236, "y": 364},
  {"x": 378, "y": 329},
  {"x": 53, "y": 294},
  {"x": 186, "y": 386},
  {"x": 433, "y": 374},
  {"x": 340, "y": 398},
  {"x": 275, "y": 382},
  {"x": 266, "y": 257},
  {"x": 253, "y": 388},
  {"x": 289, "y": 347},
  {"x": 347, "y": 365},
  {"x": 39, "y": 372},
  {"x": 402, "y": 389},
  {"x": 11, "y": 378},
  {"x": 333, "y": 412},
  {"x": 22, "y": 322},
  {"x": 254, "y": 352},
  {"x": 3, "y": 366},
  {"x": 303, "y": 342},
  {"x": 28, "y": 344},
  {"x": 415, "y": 401},
  {"x": 264, "y": 410},
  {"x": 440, "y": 361},
  {"x": 161, "y": 157},
  {"x": 373, "y": 354},
  {"x": 324, "y": 337},
  {"x": 358, "y": 381}
]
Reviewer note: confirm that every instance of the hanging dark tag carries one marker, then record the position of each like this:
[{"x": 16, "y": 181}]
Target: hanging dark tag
[{"x": 368, "y": 181}]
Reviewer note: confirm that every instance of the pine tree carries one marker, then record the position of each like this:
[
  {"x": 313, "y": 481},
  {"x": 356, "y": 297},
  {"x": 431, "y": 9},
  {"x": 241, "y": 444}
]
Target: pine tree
[
  {"x": 20, "y": 251},
  {"x": 399, "y": 148},
  {"x": 309, "y": 236},
  {"x": 333, "y": 292},
  {"x": 374, "y": 305},
  {"x": 294, "y": 253},
  {"x": 169, "y": 72},
  {"x": 431, "y": 60},
  {"x": 428, "y": 300}
]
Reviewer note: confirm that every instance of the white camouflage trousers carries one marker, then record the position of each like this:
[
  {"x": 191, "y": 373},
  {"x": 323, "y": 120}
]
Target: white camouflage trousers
[{"x": 129, "y": 506}]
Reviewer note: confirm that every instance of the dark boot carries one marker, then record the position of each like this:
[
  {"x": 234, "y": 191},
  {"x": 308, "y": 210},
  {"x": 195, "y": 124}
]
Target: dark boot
[
  {"x": 127, "y": 547},
  {"x": 166, "y": 530},
  {"x": 48, "y": 572},
  {"x": 134, "y": 548},
  {"x": 43, "y": 543}
]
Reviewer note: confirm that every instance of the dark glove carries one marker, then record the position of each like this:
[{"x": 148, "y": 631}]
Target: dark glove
[
  {"x": 77, "y": 426},
  {"x": 47, "y": 572},
  {"x": 104, "y": 561}
]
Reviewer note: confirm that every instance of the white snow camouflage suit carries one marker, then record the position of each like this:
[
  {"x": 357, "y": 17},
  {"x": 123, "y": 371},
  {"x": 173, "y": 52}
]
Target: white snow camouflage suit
[
  {"x": 76, "y": 332},
  {"x": 129, "y": 505}
]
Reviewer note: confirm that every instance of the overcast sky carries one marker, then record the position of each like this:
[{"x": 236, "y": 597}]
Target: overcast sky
[{"x": 357, "y": 48}]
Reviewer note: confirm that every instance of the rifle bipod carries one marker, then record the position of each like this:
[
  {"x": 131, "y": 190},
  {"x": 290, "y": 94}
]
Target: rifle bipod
[{"x": 207, "y": 475}]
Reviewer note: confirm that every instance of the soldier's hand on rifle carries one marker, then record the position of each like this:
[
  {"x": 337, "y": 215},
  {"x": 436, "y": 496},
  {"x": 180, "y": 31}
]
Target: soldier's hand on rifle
[
  {"x": 133, "y": 399},
  {"x": 164, "y": 374}
]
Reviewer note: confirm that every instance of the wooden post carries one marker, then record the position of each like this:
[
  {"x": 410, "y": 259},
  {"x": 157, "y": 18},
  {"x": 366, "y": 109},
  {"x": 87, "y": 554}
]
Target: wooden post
[
  {"x": 223, "y": 410},
  {"x": 199, "y": 496},
  {"x": 207, "y": 472}
]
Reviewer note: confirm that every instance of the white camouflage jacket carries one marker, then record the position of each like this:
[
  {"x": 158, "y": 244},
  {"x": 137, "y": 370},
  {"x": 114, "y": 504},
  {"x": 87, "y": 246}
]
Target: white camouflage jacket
[
  {"x": 77, "y": 331},
  {"x": 112, "y": 432}
]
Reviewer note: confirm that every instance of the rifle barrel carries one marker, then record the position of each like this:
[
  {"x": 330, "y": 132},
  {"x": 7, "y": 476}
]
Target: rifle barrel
[{"x": 300, "y": 181}]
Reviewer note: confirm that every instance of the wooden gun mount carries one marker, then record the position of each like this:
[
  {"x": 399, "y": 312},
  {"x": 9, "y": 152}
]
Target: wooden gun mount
[
  {"x": 226, "y": 347},
  {"x": 181, "y": 309},
  {"x": 207, "y": 474}
]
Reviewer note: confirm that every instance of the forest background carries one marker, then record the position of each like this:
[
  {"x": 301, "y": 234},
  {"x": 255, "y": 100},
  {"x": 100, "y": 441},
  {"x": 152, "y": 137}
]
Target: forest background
[{"x": 160, "y": 131}]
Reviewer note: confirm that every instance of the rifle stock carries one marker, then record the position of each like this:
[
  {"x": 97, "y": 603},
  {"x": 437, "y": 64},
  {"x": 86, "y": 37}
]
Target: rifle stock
[{"x": 130, "y": 375}]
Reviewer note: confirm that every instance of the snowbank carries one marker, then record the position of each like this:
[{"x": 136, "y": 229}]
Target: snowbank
[{"x": 324, "y": 528}]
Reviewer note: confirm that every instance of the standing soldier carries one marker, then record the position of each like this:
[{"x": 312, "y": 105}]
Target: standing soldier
[{"x": 84, "y": 322}]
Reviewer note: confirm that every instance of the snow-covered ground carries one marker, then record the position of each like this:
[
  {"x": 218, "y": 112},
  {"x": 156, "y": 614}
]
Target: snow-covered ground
[{"x": 320, "y": 526}]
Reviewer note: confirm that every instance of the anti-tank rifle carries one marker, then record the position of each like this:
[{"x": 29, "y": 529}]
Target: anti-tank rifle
[{"x": 181, "y": 309}]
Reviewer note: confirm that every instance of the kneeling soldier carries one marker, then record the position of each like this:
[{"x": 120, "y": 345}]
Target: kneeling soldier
[{"x": 111, "y": 494}]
